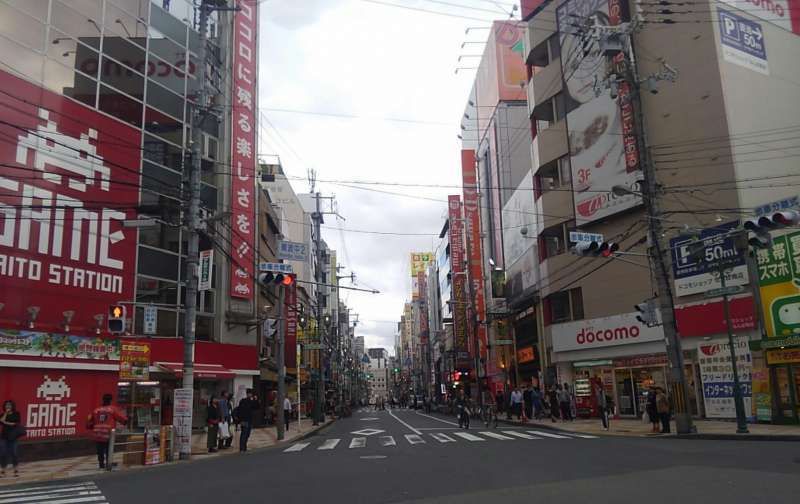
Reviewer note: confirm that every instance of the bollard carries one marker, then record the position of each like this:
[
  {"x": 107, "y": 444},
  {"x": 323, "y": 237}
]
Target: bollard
[{"x": 110, "y": 455}]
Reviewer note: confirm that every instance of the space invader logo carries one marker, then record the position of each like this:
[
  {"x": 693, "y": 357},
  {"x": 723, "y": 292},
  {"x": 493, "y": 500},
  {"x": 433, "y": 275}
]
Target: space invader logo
[{"x": 52, "y": 390}]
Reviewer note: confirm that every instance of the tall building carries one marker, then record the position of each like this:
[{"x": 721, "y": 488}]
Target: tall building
[{"x": 378, "y": 372}]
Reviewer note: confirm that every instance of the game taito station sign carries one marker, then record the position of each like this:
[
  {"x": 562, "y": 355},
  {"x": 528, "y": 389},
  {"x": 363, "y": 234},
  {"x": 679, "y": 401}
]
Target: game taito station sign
[{"x": 779, "y": 280}]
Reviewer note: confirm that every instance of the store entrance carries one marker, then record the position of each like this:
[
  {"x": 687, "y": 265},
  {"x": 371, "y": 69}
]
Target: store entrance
[{"x": 787, "y": 392}]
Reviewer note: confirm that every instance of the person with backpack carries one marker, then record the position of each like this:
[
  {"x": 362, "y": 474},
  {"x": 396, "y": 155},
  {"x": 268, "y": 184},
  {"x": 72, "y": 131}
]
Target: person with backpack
[
  {"x": 12, "y": 430},
  {"x": 245, "y": 414},
  {"x": 101, "y": 421}
]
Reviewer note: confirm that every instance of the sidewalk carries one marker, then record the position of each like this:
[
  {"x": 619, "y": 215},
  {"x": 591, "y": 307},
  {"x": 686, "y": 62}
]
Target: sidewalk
[
  {"x": 706, "y": 429},
  {"x": 46, "y": 470}
]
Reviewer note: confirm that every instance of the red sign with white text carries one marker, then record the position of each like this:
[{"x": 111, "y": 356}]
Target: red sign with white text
[
  {"x": 69, "y": 177},
  {"x": 472, "y": 220},
  {"x": 459, "y": 296},
  {"x": 243, "y": 150},
  {"x": 708, "y": 318},
  {"x": 55, "y": 403}
]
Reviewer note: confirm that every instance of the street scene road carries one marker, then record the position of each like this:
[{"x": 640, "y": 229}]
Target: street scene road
[{"x": 405, "y": 456}]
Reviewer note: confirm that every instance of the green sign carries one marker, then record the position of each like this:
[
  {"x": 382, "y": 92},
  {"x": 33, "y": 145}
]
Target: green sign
[
  {"x": 503, "y": 342},
  {"x": 779, "y": 282}
]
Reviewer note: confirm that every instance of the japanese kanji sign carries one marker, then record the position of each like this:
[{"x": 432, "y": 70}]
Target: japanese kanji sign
[
  {"x": 716, "y": 373},
  {"x": 779, "y": 280},
  {"x": 243, "y": 150}
]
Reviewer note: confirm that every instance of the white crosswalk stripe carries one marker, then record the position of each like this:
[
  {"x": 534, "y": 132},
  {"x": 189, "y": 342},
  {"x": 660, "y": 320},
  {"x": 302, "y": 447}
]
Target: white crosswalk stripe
[
  {"x": 583, "y": 436},
  {"x": 387, "y": 441},
  {"x": 496, "y": 435},
  {"x": 443, "y": 438},
  {"x": 54, "y": 494},
  {"x": 329, "y": 444},
  {"x": 468, "y": 436},
  {"x": 520, "y": 434},
  {"x": 548, "y": 434},
  {"x": 296, "y": 447},
  {"x": 358, "y": 442},
  {"x": 414, "y": 439}
]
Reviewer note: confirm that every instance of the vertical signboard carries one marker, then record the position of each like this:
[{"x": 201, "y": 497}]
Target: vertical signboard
[
  {"x": 69, "y": 178},
  {"x": 419, "y": 263},
  {"x": 290, "y": 314},
  {"x": 716, "y": 373},
  {"x": 182, "y": 420},
  {"x": 150, "y": 320},
  {"x": 243, "y": 150},
  {"x": 603, "y": 150},
  {"x": 461, "y": 344},
  {"x": 206, "y": 269},
  {"x": 424, "y": 328},
  {"x": 134, "y": 361},
  {"x": 779, "y": 282},
  {"x": 472, "y": 219}
]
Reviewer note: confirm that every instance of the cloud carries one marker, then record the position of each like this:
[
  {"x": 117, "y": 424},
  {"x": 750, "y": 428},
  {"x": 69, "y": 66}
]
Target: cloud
[{"x": 292, "y": 14}]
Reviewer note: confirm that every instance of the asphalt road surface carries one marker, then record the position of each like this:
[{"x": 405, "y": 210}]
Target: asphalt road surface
[{"x": 405, "y": 456}]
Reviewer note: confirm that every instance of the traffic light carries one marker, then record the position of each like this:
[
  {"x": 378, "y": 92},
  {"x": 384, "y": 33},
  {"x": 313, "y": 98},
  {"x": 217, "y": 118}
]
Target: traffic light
[
  {"x": 760, "y": 227},
  {"x": 301, "y": 319},
  {"x": 595, "y": 249},
  {"x": 647, "y": 313},
  {"x": 116, "y": 319}
]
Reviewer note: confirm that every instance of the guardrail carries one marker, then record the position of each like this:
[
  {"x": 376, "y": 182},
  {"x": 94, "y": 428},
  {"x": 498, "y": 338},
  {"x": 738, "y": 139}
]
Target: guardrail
[{"x": 133, "y": 447}]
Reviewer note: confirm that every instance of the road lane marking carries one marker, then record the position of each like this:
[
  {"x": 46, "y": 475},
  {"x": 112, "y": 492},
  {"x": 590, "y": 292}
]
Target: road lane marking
[
  {"x": 438, "y": 428},
  {"x": 468, "y": 436},
  {"x": 583, "y": 436},
  {"x": 412, "y": 429},
  {"x": 367, "y": 432},
  {"x": 358, "y": 442},
  {"x": 414, "y": 439},
  {"x": 387, "y": 441},
  {"x": 442, "y": 438},
  {"x": 548, "y": 434},
  {"x": 520, "y": 434},
  {"x": 63, "y": 494},
  {"x": 496, "y": 435},
  {"x": 437, "y": 419},
  {"x": 296, "y": 447},
  {"x": 372, "y": 457},
  {"x": 329, "y": 444}
]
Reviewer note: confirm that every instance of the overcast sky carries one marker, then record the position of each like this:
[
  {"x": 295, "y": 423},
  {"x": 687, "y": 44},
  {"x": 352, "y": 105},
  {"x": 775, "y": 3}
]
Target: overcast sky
[{"x": 376, "y": 62}]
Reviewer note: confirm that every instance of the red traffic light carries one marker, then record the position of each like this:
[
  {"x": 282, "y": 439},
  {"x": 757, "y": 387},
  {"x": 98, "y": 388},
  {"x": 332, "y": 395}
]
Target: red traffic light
[{"x": 288, "y": 280}]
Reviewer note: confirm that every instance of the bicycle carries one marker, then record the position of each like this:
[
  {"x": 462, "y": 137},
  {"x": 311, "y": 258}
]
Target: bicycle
[{"x": 489, "y": 415}]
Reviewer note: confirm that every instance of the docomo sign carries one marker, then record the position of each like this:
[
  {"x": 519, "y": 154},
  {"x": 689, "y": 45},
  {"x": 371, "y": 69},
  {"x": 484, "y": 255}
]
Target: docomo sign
[
  {"x": 603, "y": 332},
  {"x": 243, "y": 137}
]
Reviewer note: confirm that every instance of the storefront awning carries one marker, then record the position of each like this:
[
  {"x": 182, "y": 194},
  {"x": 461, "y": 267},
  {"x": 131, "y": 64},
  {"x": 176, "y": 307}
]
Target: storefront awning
[{"x": 207, "y": 371}]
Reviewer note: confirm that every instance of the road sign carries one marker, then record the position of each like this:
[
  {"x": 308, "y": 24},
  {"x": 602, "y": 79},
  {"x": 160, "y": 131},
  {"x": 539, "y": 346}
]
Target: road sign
[
  {"x": 791, "y": 203},
  {"x": 292, "y": 251},
  {"x": 733, "y": 289},
  {"x": 134, "y": 361},
  {"x": 314, "y": 346},
  {"x": 206, "y": 268},
  {"x": 276, "y": 267},
  {"x": 580, "y": 237},
  {"x": 150, "y": 319},
  {"x": 503, "y": 342}
]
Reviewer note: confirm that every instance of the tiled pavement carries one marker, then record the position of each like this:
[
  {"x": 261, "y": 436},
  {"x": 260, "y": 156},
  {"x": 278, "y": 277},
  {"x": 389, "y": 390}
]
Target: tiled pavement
[{"x": 46, "y": 470}]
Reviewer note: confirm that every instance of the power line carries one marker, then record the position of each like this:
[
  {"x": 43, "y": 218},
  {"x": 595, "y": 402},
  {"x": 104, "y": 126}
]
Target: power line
[{"x": 427, "y": 11}]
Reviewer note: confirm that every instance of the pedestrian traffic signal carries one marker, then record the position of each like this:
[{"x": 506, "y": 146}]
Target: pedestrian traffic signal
[
  {"x": 116, "y": 319},
  {"x": 647, "y": 313},
  {"x": 760, "y": 227},
  {"x": 595, "y": 249}
]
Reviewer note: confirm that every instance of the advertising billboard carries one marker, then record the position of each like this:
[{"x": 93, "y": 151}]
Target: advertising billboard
[
  {"x": 615, "y": 330},
  {"x": 472, "y": 220},
  {"x": 602, "y": 142},
  {"x": 459, "y": 297},
  {"x": 779, "y": 282},
  {"x": 69, "y": 178},
  {"x": 243, "y": 150},
  {"x": 695, "y": 274},
  {"x": 419, "y": 264},
  {"x": 783, "y": 13},
  {"x": 716, "y": 374}
]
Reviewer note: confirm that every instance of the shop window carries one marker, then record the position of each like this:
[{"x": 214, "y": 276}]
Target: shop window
[
  {"x": 160, "y": 124},
  {"x": 69, "y": 82},
  {"x": 158, "y": 264},
  {"x": 164, "y": 100},
  {"x": 122, "y": 77},
  {"x": 168, "y": 25},
  {"x": 163, "y": 181},
  {"x": 576, "y": 303},
  {"x": 165, "y": 153},
  {"x": 153, "y": 290}
]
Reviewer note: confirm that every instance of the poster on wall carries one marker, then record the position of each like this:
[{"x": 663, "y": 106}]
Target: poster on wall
[
  {"x": 716, "y": 374},
  {"x": 603, "y": 150},
  {"x": 742, "y": 42},
  {"x": 43, "y": 344},
  {"x": 779, "y": 283},
  {"x": 182, "y": 419}
]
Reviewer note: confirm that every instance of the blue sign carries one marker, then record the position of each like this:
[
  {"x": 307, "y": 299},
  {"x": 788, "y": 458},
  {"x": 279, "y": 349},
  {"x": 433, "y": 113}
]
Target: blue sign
[
  {"x": 275, "y": 267},
  {"x": 292, "y": 251},
  {"x": 685, "y": 264},
  {"x": 580, "y": 237},
  {"x": 792, "y": 203},
  {"x": 742, "y": 41}
]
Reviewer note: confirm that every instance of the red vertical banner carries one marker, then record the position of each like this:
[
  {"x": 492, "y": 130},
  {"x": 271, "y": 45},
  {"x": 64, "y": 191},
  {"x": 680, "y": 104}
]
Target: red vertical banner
[
  {"x": 461, "y": 342},
  {"x": 243, "y": 150},
  {"x": 290, "y": 317},
  {"x": 469, "y": 180},
  {"x": 424, "y": 329}
]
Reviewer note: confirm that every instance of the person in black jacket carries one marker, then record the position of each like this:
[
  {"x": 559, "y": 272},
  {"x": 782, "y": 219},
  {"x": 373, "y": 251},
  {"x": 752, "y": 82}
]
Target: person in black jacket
[
  {"x": 213, "y": 418},
  {"x": 11, "y": 431},
  {"x": 245, "y": 415}
]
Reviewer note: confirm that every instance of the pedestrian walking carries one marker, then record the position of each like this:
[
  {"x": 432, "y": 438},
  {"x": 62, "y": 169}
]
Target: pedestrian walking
[
  {"x": 516, "y": 403},
  {"x": 602, "y": 406},
  {"x": 652, "y": 410},
  {"x": 225, "y": 422},
  {"x": 565, "y": 402},
  {"x": 552, "y": 397},
  {"x": 662, "y": 405},
  {"x": 245, "y": 413},
  {"x": 287, "y": 411},
  {"x": 11, "y": 430},
  {"x": 527, "y": 401},
  {"x": 538, "y": 402},
  {"x": 101, "y": 421},
  {"x": 213, "y": 420}
]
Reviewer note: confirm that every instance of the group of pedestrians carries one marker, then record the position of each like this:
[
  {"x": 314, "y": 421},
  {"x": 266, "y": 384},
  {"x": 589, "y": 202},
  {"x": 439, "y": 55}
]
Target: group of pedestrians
[
  {"x": 534, "y": 404},
  {"x": 658, "y": 409},
  {"x": 222, "y": 420}
]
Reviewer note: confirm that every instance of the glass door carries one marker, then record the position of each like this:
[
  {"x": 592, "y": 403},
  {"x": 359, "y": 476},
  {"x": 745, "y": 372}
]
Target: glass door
[
  {"x": 787, "y": 385},
  {"x": 626, "y": 395}
]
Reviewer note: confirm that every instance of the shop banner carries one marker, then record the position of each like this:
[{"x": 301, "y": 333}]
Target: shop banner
[
  {"x": 134, "y": 362},
  {"x": 182, "y": 420},
  {"x": 419, "y": 264},
  {"x": 783, "y": 356},
  {"x": 762, "y": 399},
  {"x": 708, "y": 317},
  {"x": 472, "y": 219},
  {"x": 459, "y": 296},
  {"x": 206, "y": 269},
  {"x": 69, "y": 178},
  {"x": 698, "y": 274},
  {"x": 716, "y": 374},
  {"x": 424, "y": 326},
  {"x": 603, "y": 150},
  {"x": 603, "y": 332},
  {"x": 779, "y": 281},
  {"x": 526, "y": 354},
  {"x": 290, "y": 333},
  {"x": 55, "y": 403},
  {"x": 243, "y": 150},
  {"x": 41, "y": 344}
]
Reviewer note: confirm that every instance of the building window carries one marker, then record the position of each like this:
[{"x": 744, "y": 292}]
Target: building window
[
  {"x": 553, "y": 240},
  {"x": 566, "y": 305},
  {"x": 554, "y": 175}
]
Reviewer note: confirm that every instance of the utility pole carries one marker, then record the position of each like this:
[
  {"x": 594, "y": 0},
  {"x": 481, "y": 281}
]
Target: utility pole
[
  {"x": 738, "y": 400},
  {"x": 281, "y": 358},
  {"x": 320, "y": 392}
]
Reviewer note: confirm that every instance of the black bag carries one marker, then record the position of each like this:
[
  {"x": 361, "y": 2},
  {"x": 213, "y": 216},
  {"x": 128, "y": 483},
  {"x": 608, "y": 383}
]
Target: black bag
[{"x": 16, "y": 432}]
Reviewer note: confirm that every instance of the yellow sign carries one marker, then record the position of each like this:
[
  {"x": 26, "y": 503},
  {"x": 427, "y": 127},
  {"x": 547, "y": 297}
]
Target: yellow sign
[
  {"x": 419, "y": 262},
  {"x": 779, "y": 280},
  {"x": 784, "y": 356}
]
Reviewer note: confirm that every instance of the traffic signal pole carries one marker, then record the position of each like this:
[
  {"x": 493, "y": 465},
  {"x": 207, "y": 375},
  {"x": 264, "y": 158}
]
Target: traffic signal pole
[{"x": 281, "y": 358}]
